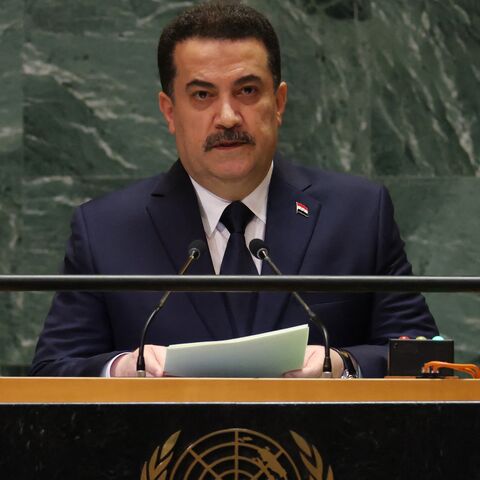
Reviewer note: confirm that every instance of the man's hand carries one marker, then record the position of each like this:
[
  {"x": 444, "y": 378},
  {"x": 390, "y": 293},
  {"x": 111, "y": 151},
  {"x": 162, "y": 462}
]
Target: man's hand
[
  {"x": 313, "y": 364},
  {"x": 126, "y": 365}
]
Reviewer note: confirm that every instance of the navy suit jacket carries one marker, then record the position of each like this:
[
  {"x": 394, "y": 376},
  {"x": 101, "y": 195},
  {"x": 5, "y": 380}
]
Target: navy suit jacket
[{"x": 146, "y": 228}]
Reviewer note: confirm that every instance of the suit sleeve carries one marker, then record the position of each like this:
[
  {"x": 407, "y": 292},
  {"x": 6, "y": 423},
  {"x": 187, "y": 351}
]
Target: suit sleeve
[
  {"x": 393, "y": 314},
  {"x": 77, "y": 336}
]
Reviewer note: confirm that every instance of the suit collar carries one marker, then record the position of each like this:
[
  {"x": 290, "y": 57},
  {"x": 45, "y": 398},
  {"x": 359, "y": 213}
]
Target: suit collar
[
  {"x": 173, "y": 209},
  {"x": 288, "y": 232}
]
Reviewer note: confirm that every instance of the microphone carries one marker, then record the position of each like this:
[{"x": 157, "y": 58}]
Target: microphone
[
  {"x": 259, "y": 249},
  {"x": 195, "y": 249}
]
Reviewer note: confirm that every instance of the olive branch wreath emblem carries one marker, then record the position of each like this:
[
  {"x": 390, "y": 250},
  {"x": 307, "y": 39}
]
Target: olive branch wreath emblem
[
  {"x": 156, "y": 467},
  {"x": 311, "y": 458}
]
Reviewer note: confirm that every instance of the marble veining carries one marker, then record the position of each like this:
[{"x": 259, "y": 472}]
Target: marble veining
[{"x": 385, "y": 89}]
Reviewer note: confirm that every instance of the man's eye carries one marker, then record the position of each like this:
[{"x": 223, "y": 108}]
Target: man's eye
[
  {"x": 248, "y": 90},
  {"x": 201, "y": 95}
]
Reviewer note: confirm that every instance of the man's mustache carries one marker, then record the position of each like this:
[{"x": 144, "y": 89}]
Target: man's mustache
[{"x": 227, "y": 136}]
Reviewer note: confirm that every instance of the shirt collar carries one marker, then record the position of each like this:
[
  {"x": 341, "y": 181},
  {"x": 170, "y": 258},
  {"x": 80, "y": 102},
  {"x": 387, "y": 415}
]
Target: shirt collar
[{"x": 212, "y": 206}]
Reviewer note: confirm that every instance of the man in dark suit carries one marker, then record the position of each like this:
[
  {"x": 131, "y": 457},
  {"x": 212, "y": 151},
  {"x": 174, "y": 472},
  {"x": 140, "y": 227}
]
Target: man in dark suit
[{"x": 223, "y": 100}]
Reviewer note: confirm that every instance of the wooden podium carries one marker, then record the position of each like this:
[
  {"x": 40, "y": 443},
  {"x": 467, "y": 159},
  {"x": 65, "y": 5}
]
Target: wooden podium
[{"x": 199, "y": 429}]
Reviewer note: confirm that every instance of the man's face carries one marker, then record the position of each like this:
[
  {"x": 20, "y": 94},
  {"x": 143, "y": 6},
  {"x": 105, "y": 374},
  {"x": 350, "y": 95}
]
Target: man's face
[{"x": 225, "y": 113}]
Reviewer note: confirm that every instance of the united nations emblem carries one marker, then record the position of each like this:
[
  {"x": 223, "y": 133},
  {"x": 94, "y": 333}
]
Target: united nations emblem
[{"x": 235, "y": 454}]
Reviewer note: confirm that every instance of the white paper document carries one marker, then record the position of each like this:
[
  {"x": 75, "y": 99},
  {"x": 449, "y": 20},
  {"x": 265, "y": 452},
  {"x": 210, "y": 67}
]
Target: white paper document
[{"x": 266, "y": 355}]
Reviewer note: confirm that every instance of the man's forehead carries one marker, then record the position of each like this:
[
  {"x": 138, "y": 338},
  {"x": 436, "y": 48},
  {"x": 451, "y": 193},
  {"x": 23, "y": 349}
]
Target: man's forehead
[
  {"x": 195, "y": 56},
  {"x": 221, "y": 43}
]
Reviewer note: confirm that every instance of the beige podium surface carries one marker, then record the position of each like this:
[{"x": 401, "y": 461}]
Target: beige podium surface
[{"x": 170, "y": 390}]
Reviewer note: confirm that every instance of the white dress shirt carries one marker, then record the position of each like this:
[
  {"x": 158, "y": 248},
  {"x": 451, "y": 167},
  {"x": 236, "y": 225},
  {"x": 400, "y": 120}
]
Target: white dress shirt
[{"x": 211, "y": 209}]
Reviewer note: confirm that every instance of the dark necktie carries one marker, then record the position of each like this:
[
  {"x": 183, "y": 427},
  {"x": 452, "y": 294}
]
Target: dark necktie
[{"x": 238, "y": 261}]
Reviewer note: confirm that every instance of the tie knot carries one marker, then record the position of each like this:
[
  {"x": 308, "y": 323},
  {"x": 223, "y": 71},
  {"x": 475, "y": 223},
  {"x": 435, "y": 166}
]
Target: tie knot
[{"x": 236, "y": 217}]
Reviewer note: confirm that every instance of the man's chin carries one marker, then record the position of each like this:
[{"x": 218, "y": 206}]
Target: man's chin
[{"x": 233, "y": 169}]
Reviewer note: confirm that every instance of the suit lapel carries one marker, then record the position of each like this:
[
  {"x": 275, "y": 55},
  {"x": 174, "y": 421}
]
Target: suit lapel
[
  {"x": 287, "y": 235},
  {"x": 173, "y": 209}
]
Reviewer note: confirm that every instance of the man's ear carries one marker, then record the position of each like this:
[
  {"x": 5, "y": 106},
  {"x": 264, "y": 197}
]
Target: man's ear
[
  {"x": 165, "y": 104},
  {"x": 281, "y": 99}
]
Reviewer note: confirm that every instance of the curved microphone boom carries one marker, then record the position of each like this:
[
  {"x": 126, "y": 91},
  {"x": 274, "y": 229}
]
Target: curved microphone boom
[
  {"x": 195, "y": 249},
  {"x": 259, "y": 249}
]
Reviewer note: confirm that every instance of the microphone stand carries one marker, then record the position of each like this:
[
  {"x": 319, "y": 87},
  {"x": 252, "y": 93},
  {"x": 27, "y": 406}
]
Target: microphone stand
[
  {"x": 262, "y": 254},
  {"x": 194, "y": 251}
]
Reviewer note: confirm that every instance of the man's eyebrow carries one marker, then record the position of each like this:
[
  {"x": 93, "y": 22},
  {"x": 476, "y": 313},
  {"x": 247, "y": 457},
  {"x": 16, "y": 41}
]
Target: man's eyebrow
[
  {"x": 199, "y": 83},
  {"x": 240, "y": 81},
  {"x": 248, "y": 79}
]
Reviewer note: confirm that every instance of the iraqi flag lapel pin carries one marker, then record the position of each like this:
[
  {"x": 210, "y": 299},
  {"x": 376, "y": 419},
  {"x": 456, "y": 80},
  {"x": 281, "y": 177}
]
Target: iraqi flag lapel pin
[{"x": 301, "y": 209}]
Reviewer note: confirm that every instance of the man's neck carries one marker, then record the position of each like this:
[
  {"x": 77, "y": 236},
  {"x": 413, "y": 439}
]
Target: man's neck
[{"x": 232, "y": 190}]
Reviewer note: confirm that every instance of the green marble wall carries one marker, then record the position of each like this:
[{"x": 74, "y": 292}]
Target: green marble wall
[{"x": 385, "y": 88}]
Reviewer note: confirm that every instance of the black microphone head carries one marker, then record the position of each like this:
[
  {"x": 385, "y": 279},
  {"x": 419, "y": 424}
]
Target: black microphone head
[
  {"x": 196, "y": 248},
  {"x": 258, "y": 248}
]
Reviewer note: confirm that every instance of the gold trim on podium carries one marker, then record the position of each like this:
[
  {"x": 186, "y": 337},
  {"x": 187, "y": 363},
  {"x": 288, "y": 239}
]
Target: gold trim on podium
[{"x": 225, "y": 390}]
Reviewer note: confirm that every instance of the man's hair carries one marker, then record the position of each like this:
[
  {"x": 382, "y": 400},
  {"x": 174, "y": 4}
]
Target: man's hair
[{"x": 222, "y": 20}]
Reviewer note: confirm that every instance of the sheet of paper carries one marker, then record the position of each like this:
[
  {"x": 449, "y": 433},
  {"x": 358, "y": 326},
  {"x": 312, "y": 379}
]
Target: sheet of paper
[{"x": 265, "y": 355}]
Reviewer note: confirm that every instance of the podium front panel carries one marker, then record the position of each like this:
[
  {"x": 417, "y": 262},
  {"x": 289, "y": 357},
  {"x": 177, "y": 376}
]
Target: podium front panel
[{"x": 241, "y": 440}]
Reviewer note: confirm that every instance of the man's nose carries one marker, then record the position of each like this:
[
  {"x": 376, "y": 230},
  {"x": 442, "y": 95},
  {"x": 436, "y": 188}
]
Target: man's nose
[{"x": 228, "y": 116}]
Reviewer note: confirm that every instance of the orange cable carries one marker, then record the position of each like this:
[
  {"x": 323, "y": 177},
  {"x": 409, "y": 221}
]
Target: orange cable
[{"x": 469, "y": 368}]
